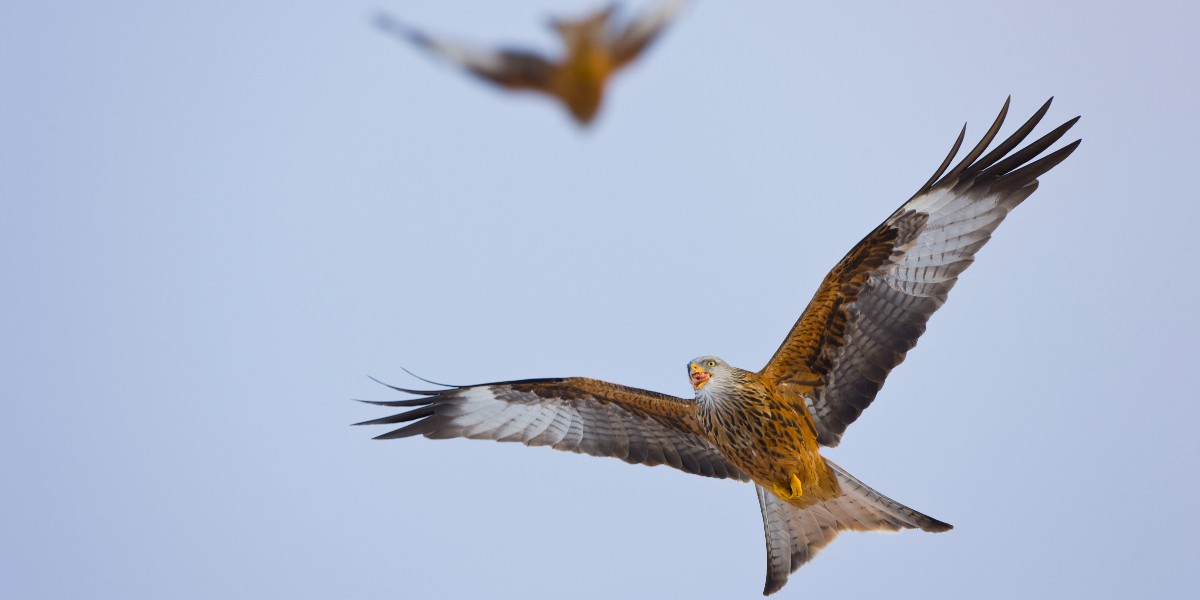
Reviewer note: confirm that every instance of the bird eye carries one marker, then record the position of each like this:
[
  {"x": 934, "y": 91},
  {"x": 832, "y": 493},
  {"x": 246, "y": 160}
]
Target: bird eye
[{"x": 712, "y": 363}]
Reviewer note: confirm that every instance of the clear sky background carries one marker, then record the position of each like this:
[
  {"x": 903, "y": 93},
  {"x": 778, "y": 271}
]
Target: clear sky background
[{"x": 218, "y": 218}]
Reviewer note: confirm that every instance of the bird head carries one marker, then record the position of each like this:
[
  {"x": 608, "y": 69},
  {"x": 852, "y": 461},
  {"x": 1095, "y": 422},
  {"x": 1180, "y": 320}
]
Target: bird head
[{"x": 708, "y": 371}]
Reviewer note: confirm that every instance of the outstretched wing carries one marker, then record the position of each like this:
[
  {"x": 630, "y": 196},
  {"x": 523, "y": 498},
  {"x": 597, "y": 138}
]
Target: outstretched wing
[
  {"x": 513, "y": 69},
  {"x": 640, "y": 32},
  {"x": 574, "y": 414},
  {"x": 874, "y": 304}
]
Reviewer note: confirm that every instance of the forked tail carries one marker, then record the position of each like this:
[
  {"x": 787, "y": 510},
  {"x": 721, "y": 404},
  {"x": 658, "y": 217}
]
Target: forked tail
[{"x": 794, "y": 536}]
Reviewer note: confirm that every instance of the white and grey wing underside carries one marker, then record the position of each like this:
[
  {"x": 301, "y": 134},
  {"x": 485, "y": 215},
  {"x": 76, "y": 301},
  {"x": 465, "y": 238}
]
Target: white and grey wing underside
[
  {"x": 930, "y": 241},
  {"x": 575, "y": 415},
  {"x": 794, "y": 535}
]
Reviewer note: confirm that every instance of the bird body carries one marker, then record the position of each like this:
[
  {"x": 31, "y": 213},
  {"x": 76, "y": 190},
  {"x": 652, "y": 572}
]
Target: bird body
[
  {"x": 594, "y": 48},
  {"x": 588, "y": 61},
  {"x": 767, "y": 435},
  {"x": 768, "y": 426}
]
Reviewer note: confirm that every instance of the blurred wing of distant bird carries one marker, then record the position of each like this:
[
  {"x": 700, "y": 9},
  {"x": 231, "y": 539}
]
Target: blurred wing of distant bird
[
  {"x": 640, "y": 32},
  {"x": 574, "y": 414},
  {"x": 874, "y": 304},
  {"x": 513, "y": 69}
]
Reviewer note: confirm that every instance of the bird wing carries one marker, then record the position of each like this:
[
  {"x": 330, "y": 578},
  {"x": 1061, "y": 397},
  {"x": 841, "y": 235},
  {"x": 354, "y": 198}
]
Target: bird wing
[
  {"x": 574, "y": 414},
  {"x": 513, "y": 69},
  {"x": 640, "y": 32},
  {"x": 795, "y": 535},
  {"x": 872, "y": 307}
]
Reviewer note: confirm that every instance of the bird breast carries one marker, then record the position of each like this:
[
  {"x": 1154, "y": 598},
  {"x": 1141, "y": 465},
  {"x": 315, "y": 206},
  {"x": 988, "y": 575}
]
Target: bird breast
[{"x": 769, "y": 438}]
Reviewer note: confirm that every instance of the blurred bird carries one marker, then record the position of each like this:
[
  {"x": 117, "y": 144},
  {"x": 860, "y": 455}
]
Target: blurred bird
[
  {"x": 596, "y": 46},
  {"x": 767, "y": 426}
]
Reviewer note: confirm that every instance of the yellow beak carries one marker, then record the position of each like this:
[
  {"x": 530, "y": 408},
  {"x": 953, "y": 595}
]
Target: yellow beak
[{"x": 699, "y": 376}]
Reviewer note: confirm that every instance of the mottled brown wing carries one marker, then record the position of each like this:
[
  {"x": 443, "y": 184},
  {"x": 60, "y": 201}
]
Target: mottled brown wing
[
  {"x": 630, "y": 41},
  {"x": 513, "y": 69},
  {"x": 574, "y": 414},
  {"x": 874, "y": 304}
]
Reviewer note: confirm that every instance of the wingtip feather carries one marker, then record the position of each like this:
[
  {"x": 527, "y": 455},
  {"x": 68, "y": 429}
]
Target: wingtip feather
[
  {"x": 962, "y": 134},
  {"x": 408, "y": 391},
  {"x": 410, "y": 402},
  {"x": 1029, "y": 173}
]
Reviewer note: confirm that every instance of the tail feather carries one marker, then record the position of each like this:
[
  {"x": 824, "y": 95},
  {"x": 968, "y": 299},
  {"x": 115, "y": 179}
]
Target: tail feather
[{"x": 794, "y": 535}]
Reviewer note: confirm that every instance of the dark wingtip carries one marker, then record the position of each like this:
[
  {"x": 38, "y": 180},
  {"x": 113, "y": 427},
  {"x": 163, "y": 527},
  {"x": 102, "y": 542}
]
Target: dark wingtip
[
  {"x": 995, "y": 166},
  {"x": 962, "y": 134},
  {"x": 936, "y": 526},
  {"x": 1004, "y": 171},
  {"x": 1029, "y": 173},
  {"x": 985, "y": 141},
  {"x": 404, "y": 417},
  {"x": 394, "y": 403},
  {"x": 388, "y": 436},
  {"x": 417, "y": 428},
  {"x": 1013, "y": 140},
  {"x": 408, "y": 391},
  {"x": 449, "y": 385},
  {"x": 773, "y": 585}
]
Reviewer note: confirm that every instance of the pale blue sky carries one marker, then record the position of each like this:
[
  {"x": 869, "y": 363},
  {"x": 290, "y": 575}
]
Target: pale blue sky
[{"x": 219, "y": 217}]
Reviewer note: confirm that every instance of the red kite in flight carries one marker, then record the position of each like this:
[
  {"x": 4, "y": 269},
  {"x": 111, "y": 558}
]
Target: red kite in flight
[
  {"x": 595, "y": 47},
  {"x": 766, "y": 426}
]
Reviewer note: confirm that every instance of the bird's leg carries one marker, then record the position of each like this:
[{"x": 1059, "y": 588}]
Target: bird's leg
[{"x": 794, "y": 490}]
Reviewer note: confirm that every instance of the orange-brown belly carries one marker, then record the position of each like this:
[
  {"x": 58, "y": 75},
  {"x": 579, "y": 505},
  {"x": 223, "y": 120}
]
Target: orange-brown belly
[{"x": 775, "y": 445}]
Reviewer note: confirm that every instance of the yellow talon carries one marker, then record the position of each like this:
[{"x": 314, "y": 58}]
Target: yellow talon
[{"x": 787, "y": 494}]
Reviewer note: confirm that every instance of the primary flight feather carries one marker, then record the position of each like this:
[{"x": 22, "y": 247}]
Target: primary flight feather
[{"x": 767, "y": 426}]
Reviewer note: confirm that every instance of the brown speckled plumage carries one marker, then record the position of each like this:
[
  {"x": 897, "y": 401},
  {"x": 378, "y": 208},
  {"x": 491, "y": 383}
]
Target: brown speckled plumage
[
  {"x": 768, "y": 436},
  {"x": 767, "y": 426}
]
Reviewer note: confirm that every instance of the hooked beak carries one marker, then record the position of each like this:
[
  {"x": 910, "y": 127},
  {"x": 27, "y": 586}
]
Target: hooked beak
[{"x": 699, "y": 376}]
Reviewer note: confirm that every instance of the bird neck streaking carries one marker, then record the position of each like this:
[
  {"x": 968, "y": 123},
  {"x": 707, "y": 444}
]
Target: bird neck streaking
[{"x": 720, "y": 391}]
